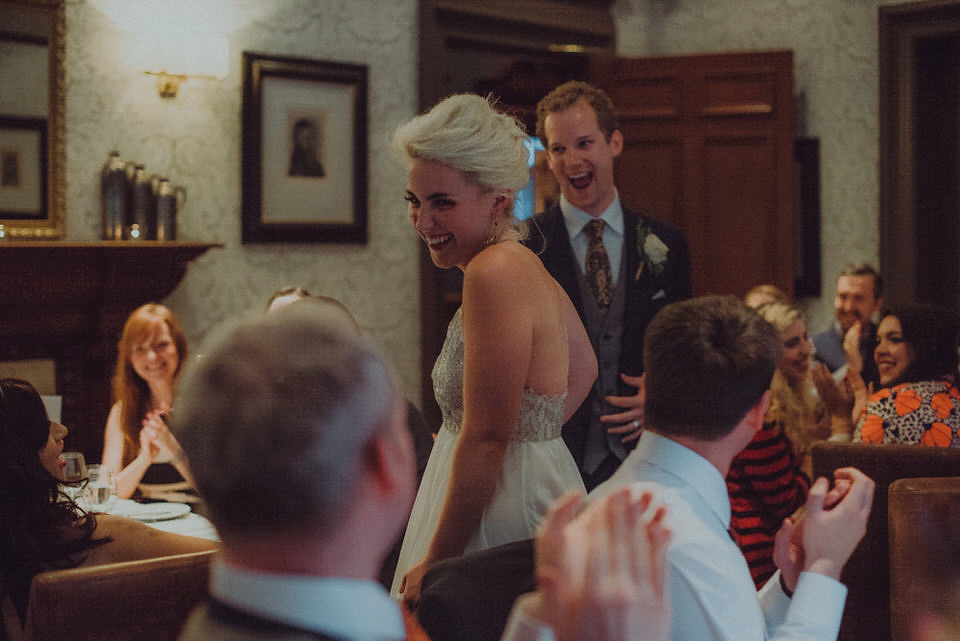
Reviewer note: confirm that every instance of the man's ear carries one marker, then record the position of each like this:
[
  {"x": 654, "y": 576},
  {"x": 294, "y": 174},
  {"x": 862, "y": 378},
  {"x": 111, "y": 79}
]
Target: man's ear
[
  {"x": 758, "y": 413},
  {"x": 388, "y": 455},
  {"x": 616, "y": 142},
  {"x": 378, "y": 463}
]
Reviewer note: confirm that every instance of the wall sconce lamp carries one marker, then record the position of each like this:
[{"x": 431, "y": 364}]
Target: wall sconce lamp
[
  {"x": 167, "y": 83},
  {"x": 175, "y": 56}
]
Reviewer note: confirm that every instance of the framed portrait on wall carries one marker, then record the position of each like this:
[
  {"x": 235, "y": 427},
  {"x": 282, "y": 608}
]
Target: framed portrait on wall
[
  {"x": 23, "y": 168},
  {"x": 304, "y": 140}
]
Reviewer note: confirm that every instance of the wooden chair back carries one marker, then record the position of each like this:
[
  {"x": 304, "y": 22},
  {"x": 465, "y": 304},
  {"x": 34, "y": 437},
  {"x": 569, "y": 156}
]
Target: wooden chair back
[
  {"x": 131, "y": 601},
  {"x": 867, "y": 573},
  {"x": 924, "y": 546}
]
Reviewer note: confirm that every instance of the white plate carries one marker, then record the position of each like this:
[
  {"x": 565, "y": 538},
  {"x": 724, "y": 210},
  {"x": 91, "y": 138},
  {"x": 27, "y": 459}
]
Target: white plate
[{"x": 151, "y": 511}]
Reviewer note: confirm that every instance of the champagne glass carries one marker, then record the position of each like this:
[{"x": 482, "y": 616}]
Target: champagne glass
[
  {"x": 100, "y": 492},
  {"x": 74, "y": 470}
]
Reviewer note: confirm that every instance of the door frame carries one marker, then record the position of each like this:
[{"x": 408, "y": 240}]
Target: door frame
[{"x": 901, "y": 27}]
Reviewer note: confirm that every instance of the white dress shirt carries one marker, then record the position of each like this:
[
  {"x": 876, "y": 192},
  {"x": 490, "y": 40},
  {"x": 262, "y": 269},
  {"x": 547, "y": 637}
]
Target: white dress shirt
[
  {"x": 712, "y": 596},
  {"x": 576, "y": 219},
  {"x": 341, "y": 608}
]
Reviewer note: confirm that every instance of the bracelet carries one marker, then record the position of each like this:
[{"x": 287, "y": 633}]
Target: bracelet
[
  {"x": 179, "y": 458},
  {"x": 783, "y": 586}
]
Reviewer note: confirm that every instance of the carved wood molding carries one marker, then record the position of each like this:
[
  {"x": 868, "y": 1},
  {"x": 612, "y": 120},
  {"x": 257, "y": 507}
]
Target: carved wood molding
[{"x": 85, "y": 290}]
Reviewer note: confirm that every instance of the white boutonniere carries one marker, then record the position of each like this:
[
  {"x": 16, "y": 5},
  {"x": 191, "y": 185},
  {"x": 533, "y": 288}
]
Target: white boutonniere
[{"x": 652, "y": 251}]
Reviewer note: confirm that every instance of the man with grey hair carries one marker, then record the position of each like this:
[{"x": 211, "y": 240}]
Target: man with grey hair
[{"x": 298, "y": 441}]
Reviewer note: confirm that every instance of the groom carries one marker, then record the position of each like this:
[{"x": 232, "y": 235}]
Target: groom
[{"x": 618, "y": 267}]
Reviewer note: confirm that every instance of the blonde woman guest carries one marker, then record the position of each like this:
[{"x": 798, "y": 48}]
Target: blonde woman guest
[
  {"x": 137, "y": 444},
  {"x": 769, "y": 480},
  {"x": 516, "y": 362},
  {"x": 763, "y": 294}
]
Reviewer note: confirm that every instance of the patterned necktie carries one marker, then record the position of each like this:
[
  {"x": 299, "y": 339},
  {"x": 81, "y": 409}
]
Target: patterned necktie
[{"x": 598, "y": 265}]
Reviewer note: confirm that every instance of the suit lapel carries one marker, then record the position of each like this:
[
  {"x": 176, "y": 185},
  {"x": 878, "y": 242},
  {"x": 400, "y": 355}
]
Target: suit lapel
[
  {"x": 558, "y": 253},
  {"x": 630, "y": 222}
]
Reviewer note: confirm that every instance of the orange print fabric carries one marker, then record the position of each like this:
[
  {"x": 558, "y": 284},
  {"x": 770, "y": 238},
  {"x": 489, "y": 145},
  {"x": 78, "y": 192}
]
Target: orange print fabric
[
  {"x": 937, "y": 435},
  {"x": 907, "y": 401},
  {"x": 942, "y": 405},
  {"x": 872, "y": 430}
]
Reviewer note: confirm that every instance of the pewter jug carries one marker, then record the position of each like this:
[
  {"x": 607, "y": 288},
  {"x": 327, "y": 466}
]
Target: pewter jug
[
  {"x": 144, "y": 216},
  {"x": 170, "y": 200},
  {"x": 113, "y": 196}
]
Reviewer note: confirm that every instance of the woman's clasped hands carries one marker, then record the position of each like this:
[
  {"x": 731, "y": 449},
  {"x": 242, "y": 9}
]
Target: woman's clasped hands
[{"x": 157, "y": 442}]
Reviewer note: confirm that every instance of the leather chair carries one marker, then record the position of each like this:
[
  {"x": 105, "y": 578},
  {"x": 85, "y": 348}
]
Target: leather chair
[
  {"x": 924, "y": 549},
  {"x": 129, "y": 601},
  {"x": 469, "y": 597},
  {"x": 867, "y": 573}
]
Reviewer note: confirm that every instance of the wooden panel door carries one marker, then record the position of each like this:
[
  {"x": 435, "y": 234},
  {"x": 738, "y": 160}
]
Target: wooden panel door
[{"x": 709, "y": 148}]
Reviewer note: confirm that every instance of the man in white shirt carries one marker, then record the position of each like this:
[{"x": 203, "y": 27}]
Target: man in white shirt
[
  {"x": 709, "y": 362},
  {"x": 297, "y": 439}
]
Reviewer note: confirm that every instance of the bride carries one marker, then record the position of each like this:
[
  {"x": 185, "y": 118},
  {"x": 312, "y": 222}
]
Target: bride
[{"x": 516, "y": 362}]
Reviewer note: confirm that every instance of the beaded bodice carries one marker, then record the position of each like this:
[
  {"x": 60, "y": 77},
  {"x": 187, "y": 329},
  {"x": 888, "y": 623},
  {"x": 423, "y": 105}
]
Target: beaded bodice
[{"x": 541, "y": 416}]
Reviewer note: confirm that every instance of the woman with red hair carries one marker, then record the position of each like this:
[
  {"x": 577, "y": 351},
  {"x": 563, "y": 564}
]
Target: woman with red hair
[{"x": 137, "y": 444}]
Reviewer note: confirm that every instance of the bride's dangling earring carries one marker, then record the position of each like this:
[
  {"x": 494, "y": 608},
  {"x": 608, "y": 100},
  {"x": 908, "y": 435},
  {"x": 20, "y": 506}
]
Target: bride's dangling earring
[{"x": 493, "y": 236}]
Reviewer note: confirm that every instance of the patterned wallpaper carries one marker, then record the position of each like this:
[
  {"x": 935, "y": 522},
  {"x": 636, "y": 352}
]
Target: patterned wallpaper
[
  {"x": 835, "y": 60},
  {"x": 195, "y": 140}
]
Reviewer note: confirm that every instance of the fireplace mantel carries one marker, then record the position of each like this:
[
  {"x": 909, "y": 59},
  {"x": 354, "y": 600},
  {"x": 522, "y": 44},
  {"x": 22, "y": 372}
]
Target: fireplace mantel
[{"x": 68, "y": 301}]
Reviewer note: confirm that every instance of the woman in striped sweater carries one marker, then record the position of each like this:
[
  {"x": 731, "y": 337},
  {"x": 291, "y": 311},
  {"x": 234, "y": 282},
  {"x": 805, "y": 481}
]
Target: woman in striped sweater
[{"x": 769, "y": 479}]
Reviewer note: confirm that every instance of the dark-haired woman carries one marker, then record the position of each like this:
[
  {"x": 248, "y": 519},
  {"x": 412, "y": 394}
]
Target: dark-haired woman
[
  {"x": 40, "y": 527},
  {"x": 918, "y": 403}
]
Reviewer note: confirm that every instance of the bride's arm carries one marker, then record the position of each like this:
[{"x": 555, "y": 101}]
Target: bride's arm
[{"x": 497, "y": 332}]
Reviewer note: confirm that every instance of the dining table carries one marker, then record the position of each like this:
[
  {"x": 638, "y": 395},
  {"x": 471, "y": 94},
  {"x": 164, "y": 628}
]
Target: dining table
[{"x": 168, "y": 516}]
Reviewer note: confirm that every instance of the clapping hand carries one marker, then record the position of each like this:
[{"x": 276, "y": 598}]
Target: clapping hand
[
  {"x": 851, "y": 346},
  {"x": 601, "y": 575},
  {"x": 825, "y": 533}
]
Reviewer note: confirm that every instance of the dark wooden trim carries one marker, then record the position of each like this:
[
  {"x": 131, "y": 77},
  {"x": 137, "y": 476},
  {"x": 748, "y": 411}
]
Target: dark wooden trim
[
  {"x": 900, "y": 28},
  {"x": 807, "y": 283}
]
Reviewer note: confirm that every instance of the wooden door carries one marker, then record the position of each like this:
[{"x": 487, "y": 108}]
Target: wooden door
[{"x": 709, "y": 148}]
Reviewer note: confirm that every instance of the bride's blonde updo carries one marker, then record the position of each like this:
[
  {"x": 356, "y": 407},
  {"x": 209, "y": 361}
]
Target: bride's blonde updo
[{"x": 465, "y": 132}]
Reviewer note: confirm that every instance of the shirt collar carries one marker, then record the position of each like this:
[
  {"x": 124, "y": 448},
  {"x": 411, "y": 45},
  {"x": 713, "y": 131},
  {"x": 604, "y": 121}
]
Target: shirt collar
[
  {"x": 575, "y": 219},
  {"x": 348, "y": 608},
  {"x": 691, "y": 468}
]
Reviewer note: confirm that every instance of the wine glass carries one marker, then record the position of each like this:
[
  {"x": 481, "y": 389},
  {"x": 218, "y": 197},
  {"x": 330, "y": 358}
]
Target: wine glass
[
  {"x": 100, "y": 492},
  {"x": 74, "y": 470}
]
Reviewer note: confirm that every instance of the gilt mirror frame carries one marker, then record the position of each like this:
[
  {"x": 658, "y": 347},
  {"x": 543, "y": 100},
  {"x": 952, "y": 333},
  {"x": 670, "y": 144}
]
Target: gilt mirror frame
[{"x": 52, "y": 224}]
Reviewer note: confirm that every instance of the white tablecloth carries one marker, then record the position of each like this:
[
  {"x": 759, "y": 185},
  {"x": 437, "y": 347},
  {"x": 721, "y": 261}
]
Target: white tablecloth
[{"x": 191, "y": 524}]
